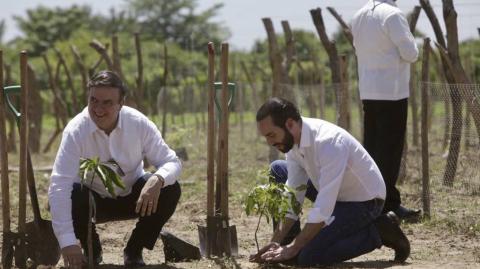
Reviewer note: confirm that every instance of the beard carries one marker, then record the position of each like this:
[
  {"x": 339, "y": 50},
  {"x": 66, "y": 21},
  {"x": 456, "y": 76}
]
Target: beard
[{"x": 287, "y": 142}]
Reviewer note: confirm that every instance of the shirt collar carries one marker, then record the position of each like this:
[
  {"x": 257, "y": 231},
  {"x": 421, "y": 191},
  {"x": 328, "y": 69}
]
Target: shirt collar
[
  {"x": 305, "y": 138},
  {"x": 390, "y": 2}
]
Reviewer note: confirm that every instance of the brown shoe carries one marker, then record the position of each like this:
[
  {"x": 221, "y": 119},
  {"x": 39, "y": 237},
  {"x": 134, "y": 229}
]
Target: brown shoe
[{"x": 392, "y": 236}]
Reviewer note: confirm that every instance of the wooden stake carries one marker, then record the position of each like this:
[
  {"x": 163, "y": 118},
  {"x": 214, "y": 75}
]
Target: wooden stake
[
  {"x": 20, "y": 257},
  {"x": 224, "y": 131},
  {"x": 425, "y": 165},
  {"x": 211, "y": 130},
  {"x": 4, "y": 158}
]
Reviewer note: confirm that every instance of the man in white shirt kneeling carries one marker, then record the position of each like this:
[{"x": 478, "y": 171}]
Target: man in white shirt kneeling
[
  {"x": 121, "y": 135},
  {"x": 343, "y": 182}
]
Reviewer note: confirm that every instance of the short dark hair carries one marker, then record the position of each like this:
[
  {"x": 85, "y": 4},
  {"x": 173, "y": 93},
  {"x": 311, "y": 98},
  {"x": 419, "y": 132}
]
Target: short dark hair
[
  {"x": 280, "y": 110},
  {"x": 107, "y": 78}
]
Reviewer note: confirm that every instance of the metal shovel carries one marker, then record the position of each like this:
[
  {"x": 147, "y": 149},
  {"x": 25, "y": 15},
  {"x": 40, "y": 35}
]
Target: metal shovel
[
  {"x": 41, "y": 244},
  {"x": 218, "y": 238}
]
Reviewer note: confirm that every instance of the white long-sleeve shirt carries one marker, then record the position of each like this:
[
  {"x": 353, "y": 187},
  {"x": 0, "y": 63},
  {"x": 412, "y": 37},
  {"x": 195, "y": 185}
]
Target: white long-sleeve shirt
[
  {"x": 385, "y": 47},
  {"x": 134, "y": 138},
  {"x": 338, "y": 166}
]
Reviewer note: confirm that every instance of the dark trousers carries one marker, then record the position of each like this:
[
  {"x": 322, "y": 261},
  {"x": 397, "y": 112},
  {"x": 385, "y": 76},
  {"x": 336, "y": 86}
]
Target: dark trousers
[
  {"x": 147, "y": 229},
  {"x": 385, "y": 124},
  {"x": 351, "y": 234}
]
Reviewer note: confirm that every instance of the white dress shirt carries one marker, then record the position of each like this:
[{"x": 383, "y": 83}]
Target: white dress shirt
[
  {"x": 385, "y": 47},
  {"x": 338, "y": 166},
  {"x": 134, "y": 138}
]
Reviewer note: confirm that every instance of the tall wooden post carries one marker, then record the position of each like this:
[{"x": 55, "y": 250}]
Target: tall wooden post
[{"x": 425, "y": 165}]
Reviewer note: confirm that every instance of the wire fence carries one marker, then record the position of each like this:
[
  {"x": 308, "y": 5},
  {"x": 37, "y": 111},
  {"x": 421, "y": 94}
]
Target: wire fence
[{"x": 450, "y": 123}]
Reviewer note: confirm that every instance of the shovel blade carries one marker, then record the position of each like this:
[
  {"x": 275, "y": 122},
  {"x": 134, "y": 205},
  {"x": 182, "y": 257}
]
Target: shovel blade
[
  {"x": 177, "y": 249},
  {"x": 42, "y": 245},
  {"x": 7, "y": 249},
  {"x": 218, "y": 238}
]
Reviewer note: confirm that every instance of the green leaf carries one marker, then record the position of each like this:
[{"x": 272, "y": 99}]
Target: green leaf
[
  {"x": 274, "y": 200},
  {"x": 107, "y": 176}
]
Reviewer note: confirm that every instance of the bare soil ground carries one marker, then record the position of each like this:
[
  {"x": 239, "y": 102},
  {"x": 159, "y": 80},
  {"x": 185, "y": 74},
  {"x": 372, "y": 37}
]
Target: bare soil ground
[{"x": 450, "y": 239}]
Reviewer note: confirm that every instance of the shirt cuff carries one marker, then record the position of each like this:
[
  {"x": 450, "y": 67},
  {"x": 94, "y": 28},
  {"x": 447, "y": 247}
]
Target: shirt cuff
[
  {"x": 66, "y": 240},
  {"x": 168, "y": 180},
  {"x": 315, "y": 216}
]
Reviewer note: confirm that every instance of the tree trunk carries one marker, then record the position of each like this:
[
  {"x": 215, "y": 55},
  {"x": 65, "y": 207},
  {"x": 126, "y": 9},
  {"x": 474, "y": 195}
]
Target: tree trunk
[
  {"x": 344, "y": 104},
  {"x": 165, "y": 93},
  {"x": 334, "y": 61},
  {"x": 73, "y": 94},
  {"x": 281, "y": 81},
  {"x": 455, "y": 138},
  {"x": 348, "y": 34},
  {"x": 139, "y": 79},
  {"x": 35, "y": 111},
  {"x": 412, "y": 20},
  {"x": 83, "y": 73},
  {"x": 252, "y": 85}
]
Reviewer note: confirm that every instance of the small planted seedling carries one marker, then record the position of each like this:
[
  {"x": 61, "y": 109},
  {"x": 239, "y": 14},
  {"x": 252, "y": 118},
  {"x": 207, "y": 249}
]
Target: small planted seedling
[
  {"x": 272, "y": 201},
  {"x": 91, "y": 167},
  {"x": 110, "y": 178}
]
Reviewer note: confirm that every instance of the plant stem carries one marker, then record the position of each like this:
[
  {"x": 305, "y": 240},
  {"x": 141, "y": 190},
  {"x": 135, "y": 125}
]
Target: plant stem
[
  {"x": 89, "y": 239},
  {"x": 256, "y": 230},
  {"x": 91, "y": 200}
]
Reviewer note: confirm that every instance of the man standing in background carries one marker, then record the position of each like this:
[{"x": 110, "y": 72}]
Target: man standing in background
[{"x": 385, "y": 48}]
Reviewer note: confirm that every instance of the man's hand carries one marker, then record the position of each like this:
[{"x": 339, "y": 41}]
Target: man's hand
[
  {"x": 148, "y": 200},
  {"x": 281, "y": 253},
  {"x": 258, "y": 256},
  {"x": 72, "y": 257}
]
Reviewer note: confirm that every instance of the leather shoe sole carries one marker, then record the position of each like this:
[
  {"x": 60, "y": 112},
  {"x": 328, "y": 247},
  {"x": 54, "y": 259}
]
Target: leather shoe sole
[{"x": 392, "y": 236}]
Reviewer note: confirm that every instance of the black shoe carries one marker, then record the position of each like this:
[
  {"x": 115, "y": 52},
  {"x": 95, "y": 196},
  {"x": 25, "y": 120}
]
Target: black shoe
[
  {"x": 133, "y": 259},
  {"x": 392, "y": 236},
  {"x": 409, "y": 215}
]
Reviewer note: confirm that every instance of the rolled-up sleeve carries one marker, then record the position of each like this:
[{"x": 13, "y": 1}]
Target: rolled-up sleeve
[
  {"x": 160, "y": 155},
  {"x": 399, "y": 32},
  {"x": 64, "y": 174},
  {"x": 331, "y": 164}
]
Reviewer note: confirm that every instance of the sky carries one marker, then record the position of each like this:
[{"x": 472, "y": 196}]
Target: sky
[{"x": 243, "y": 17}]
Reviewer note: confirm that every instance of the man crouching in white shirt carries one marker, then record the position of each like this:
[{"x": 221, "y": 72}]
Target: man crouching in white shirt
[
  {"x": 114, "y": 133},
  {"x": 343, "y": 182}
]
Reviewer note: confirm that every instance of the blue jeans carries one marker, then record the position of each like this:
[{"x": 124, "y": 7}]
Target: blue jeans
[{"x": 350, "y": 235}]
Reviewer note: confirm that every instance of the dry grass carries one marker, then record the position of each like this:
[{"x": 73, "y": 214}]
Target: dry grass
[{"x": 450, "y": 239}]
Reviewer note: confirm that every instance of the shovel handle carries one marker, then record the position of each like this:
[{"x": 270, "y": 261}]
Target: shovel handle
[
  {"x": 8, "y": 92},
  {"x": 20, "y": 249},
  {"x": 4, "y": 158},
  {"x": 211, "y": 130},
  {"x": 223, "y": 141}
]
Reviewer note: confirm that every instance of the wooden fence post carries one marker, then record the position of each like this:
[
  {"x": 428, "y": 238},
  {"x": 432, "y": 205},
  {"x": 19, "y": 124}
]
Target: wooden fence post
[{"x": 425, "y": 165}]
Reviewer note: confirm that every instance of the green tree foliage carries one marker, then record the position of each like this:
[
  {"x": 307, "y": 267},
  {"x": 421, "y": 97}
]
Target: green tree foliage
[
  {"x": 178, "y": 22},
  {"x": 43, "y": 26},
  {"x": 115, "y": 22}
]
